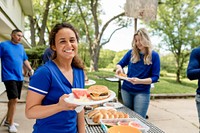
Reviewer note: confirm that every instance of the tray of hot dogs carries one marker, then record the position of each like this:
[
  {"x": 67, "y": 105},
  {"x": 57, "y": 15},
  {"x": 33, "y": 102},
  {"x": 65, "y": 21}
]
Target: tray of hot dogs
[{"x": 94, "y": 116}]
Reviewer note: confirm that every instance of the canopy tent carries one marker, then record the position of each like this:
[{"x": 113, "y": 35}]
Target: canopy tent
[{"x": 145, "y": 10}]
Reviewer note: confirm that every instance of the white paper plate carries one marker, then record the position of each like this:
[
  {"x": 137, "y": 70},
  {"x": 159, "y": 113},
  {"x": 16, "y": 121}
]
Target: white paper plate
[
  {"x": 106, "y": 108},
  {"x": 113, "y": 79},
  {"x": 121, "y": 77},
  {"x": 73, "y": 100},
  {"x": 113, "y": 104},
  {"x": 90, "y": 82}
]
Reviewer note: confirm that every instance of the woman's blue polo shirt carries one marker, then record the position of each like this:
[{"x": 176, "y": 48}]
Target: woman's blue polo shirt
[{"x": 49, "y": 81}]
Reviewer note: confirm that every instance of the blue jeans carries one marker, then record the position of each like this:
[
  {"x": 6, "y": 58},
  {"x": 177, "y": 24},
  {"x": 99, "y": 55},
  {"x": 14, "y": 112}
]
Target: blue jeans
[
  {"x": 138, "y": 102},
  {"x": 197, "y": 98}
]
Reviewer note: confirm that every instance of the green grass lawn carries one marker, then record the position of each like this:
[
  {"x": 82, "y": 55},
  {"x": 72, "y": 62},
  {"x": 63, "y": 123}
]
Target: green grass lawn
[
  {"x": 170, "y": 86},
  {"x": 166, "y": 85}
]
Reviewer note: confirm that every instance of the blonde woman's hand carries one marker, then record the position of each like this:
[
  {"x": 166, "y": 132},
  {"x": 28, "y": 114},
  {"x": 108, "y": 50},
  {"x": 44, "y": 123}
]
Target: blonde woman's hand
[
  {"x": 65, "y": 105},
  {"x": 134, "y": 80},
  {"x": 118, "y": 70}
]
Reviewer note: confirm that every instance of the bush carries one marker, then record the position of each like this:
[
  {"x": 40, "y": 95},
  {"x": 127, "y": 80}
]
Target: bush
[
  {"x": 35, "y": 55},
  {"x": 163, "y": 73}
]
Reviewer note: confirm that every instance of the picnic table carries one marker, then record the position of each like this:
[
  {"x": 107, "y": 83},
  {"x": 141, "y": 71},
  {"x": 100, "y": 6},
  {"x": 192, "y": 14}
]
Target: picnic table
[{"x": 132, "y": 114}]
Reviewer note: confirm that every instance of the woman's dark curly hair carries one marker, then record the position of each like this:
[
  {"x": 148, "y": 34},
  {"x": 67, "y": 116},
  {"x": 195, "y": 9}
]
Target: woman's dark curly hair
[{"x": 76, "y": 62}]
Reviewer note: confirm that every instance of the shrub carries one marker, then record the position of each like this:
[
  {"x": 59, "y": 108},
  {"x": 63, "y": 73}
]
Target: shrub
[{"x": 163, "y": 73}]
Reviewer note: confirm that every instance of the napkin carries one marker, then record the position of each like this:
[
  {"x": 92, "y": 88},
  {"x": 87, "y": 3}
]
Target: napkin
[{"x": 78, "y": 109}]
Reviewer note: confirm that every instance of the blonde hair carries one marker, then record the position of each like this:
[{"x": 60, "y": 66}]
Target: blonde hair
[{"x": 146, "y": 42}]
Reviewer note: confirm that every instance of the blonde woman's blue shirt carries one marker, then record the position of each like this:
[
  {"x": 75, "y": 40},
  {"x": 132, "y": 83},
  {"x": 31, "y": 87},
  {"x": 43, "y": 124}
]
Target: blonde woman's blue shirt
[{"x": 140, "y": 70}]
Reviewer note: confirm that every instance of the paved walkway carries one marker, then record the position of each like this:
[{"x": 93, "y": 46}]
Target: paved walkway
[
  {"x": 25, "y": 124},
  {"x": 174, "y": 115},
  {"x": 170, "y": 115},
  {"x": 2, "y": 87}
]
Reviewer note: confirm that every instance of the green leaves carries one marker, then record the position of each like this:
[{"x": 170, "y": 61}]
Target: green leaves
[{"x": 178, "y": 25}]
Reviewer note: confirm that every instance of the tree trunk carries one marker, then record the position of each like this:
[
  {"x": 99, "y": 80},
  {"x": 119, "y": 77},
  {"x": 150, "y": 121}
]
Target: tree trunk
[
  {"x": 178, "y": 76},
  {"x": 178, "y": 62},
  {"x": 178, "y": 71},
  {"x": 32, "y": 24},
  {"x": 94, "y": 58},
  {"x": 44, "y": 22},
  {"x": 95, "y": 40}
]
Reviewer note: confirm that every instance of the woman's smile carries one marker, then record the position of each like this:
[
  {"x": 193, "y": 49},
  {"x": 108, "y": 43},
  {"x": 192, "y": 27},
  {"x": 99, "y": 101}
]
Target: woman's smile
[{"x": 68, "y": 51}]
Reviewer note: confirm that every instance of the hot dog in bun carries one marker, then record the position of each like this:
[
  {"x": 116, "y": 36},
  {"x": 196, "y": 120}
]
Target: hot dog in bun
[{"x": 98, "y": 92}]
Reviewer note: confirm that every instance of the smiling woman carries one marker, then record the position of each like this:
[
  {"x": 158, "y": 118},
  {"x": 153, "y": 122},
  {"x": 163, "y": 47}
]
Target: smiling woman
[
  {"x": 143, "y": 69},
  {"x": 59, "y": 75}
]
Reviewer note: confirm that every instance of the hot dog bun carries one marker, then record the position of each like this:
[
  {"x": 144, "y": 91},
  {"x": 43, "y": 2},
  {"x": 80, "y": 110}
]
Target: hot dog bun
[
  {"x": 97, "y": 118},
  {"x": 92, "y": 113},
  {"x": 106, "y": 114}
]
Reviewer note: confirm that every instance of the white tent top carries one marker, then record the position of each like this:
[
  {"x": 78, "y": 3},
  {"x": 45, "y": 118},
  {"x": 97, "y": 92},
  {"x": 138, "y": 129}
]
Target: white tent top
[{"x": 145, "y": 10}]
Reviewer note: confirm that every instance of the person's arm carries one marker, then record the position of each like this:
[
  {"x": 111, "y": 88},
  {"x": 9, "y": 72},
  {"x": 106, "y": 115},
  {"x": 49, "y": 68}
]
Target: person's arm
[
  {"x": 28, "y": 66},
  {"x": 193, "y": 69},
  {"x": 118, "y": 69},
  {"x": 155, "y": 74},
  {"x": 81, "y": 122},
  {"x": 123, "y": 62},
  {"x": 34, "y": 109},
  {"x": 140, "y": 81}
]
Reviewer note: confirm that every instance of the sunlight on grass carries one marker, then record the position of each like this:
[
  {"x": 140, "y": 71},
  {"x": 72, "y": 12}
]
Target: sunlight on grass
[{"x": 170, "y": 86}]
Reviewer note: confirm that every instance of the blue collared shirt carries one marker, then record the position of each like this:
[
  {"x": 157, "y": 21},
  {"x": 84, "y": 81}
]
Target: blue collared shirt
[
  {"x": 49, "y": 81},
  {"x": 140, "y": 70}
]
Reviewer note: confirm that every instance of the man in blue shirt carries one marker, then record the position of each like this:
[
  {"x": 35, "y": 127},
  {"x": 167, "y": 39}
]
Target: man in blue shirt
[
  {"x": 48, "y": 53},
  {"x": 13, "y": 57}
]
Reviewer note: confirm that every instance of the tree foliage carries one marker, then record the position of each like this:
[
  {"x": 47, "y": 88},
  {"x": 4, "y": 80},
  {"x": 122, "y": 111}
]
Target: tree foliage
[
  {"x": 94, "y": 29},
  {"x": 119, "y": 56},
  {"x": 168, "y": 63},
  {"x": 49, "y": 12},
  {"x": 178, "y": 26},
  {"x": 106, "y": 58},
  {"x": 35, "y": 55},
  {"x": 84, "y": 14}
]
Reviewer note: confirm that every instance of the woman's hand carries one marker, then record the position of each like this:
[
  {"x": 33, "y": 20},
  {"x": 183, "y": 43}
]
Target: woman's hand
[
  {"x": 118, "y": 70},
  {"x": 65, "y": 105},
  {"x": 134, "y": 80}
]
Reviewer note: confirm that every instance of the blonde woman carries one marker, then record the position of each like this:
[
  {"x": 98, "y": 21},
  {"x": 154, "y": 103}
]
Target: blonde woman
[{"x": 143, "y": 69}]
